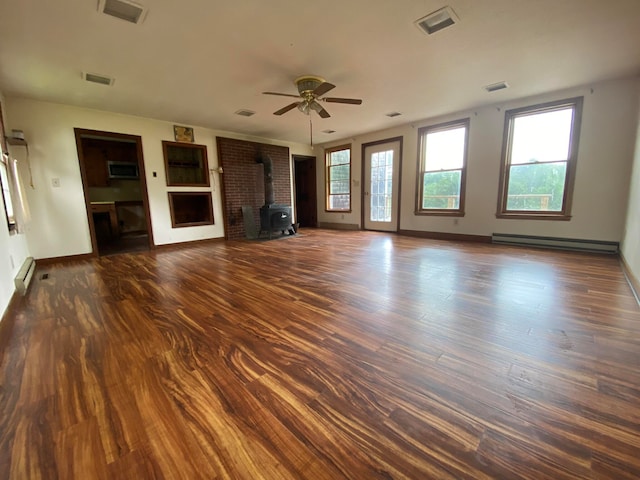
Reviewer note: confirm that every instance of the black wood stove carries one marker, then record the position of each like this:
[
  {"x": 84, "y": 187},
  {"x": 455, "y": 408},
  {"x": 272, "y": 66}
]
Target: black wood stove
[{"x": 273, "y": 218}]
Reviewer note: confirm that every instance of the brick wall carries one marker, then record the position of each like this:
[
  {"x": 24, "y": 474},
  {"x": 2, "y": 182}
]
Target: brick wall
[{"x": 243, "y": 180}]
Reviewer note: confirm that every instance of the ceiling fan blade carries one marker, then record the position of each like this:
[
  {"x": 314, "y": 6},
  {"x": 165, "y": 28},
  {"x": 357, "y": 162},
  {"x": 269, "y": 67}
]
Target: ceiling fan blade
[
  {"x": 351, "y": 101},
  {"x": 323, "y": 88},
  {"x": 281, "y": 94},
  {"x": 322, "y": 112},
  {"x": 287, "y": 108}
]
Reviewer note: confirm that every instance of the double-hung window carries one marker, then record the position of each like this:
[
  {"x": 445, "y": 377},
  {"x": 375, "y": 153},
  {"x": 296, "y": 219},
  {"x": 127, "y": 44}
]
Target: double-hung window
[
  {"x": 539, "y": 156},
  {"x": 338, "y": 174},
  {"x": 4, "y": 178},
  {"x": 442, "y": 152}
]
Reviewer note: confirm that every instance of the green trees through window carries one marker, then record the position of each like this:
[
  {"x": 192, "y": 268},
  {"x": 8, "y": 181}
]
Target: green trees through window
[
  {"x": 443, "y": 158},
  {"x": 539, "y": 156},
  {"x": 338, "y": 161}
]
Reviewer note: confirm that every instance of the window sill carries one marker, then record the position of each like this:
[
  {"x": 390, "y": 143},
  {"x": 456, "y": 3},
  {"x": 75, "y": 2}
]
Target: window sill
[
  {"x": 338, "y": 211},
  {"x": 440, "y": 213},
  {"x": 535, "y": 216}
]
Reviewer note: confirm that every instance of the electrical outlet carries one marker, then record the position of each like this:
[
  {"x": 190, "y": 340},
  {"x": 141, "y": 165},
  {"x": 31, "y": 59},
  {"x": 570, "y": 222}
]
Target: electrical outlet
[{"x": 55, "y": 182}]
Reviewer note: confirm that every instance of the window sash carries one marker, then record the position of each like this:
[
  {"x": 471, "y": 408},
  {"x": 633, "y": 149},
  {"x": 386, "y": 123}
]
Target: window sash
[
  {"x": 338, "y": 183},
  {"x": 447, "y": 198},
  {"x": 547, "y": 193}
]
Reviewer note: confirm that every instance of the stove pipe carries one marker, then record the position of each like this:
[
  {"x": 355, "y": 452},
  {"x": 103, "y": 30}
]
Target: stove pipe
[{"x": 269, "y": 195}]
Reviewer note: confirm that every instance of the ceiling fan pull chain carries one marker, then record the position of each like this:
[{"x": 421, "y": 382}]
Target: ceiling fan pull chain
[{"x": 311, "y": 131}]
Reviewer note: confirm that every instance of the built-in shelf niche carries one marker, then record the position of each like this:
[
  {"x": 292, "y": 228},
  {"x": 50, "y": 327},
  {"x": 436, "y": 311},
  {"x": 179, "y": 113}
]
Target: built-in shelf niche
[
  {"x": 186, "y": 164},
  {"x": 190, "y": 209}
]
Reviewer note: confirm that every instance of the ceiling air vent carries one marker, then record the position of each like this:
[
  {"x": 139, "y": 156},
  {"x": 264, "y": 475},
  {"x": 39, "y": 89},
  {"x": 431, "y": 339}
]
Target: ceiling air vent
[
  {"x": 438, "y": 20},
  {"x": 393, "y": 114},
  {"x": 494, "y": 87},
  {"x": 96, "y": 78},
  {"x": 328, "y": 131},
  {"x": 245, "y": 113},
  {"x": 123, "y": 9}
]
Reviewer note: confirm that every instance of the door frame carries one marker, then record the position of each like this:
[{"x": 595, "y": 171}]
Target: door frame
[
  {"x": 306, "y": 158},
  {"x": 364, "y": 146},
  {"x": 81, "y": 133}
]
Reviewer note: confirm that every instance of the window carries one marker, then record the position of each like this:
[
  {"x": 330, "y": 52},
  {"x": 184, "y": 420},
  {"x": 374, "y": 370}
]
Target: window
[
  {"x": 339, "y": 178},
  {"x": 442, "y": 151},
  {"x": 4, "y": 178},
  {"x": 539, "y": 160}
]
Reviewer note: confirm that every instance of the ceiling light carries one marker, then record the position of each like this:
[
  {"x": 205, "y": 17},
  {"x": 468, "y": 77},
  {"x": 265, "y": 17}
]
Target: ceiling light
[
  {"x": 304, "y": 107},
  {"x": 245, "y": 113},
  {"x": 393, "y": 114},
  {"x": 123, "y": 9},
  {"x": 438, "y": 20},
  {"x": 494, "y": 87},
  {"x": 97, "y": 78}
]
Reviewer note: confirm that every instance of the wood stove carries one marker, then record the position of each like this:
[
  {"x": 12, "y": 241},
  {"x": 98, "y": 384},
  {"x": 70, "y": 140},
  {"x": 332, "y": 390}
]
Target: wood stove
[{"x": 273, "y": 218}]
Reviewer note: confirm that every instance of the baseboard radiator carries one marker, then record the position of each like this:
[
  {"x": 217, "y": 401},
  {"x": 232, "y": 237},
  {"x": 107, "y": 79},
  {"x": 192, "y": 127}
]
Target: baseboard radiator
[
  {"x": 597, "y": 246},
  {"x": 24, "y": 276}
]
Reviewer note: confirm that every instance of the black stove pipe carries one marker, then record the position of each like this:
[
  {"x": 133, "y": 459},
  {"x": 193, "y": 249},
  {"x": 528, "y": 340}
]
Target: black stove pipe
[{"x": 269, "y": 194}]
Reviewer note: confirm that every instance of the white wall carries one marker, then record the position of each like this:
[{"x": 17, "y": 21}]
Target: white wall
[
  {"x": 13, "y": 247},
  {"x": 59, "y": 224},
  {"x": 601, "y": 188},
  {"x": 631, "y": 240}
]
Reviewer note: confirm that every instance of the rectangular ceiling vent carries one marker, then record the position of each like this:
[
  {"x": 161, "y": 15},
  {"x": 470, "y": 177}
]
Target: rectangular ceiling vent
[
  {"x": 328, "y": 131},
  {"x": 393, "y": 114},
  {"x": 438, "y": 20},
  {"x": 123, "y": 9},
  {"x": 245, "y": 113},
  {"x": 494, "y": 87},
  {"x": 97, "y": 78}
]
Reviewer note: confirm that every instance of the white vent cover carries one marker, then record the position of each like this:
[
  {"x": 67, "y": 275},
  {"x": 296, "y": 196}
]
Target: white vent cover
[
  {"x": 123, "y": 9},
  {"x": 245, "y": 113},
  {"x": 494, "y": 87},
  {"x": 97, "y": 78},
  {"x": 438, "y": 20}
]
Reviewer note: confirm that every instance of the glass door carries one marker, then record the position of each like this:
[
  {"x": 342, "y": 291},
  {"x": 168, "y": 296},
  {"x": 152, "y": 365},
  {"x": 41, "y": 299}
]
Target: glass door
[{"x": 381, "y": 167}]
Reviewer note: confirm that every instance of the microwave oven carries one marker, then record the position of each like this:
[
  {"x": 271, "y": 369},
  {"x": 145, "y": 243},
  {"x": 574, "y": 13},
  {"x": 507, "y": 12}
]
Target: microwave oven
[{"x": 125, "y": 170}]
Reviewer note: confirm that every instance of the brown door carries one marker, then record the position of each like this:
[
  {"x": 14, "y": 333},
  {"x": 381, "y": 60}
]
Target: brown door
[
  {"x": 115, "y": 188},
  {"x": 306, "y": 202}
]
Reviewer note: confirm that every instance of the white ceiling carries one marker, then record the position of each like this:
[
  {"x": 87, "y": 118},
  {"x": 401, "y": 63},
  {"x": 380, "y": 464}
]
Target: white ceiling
[{"x": 195, "y": 62}]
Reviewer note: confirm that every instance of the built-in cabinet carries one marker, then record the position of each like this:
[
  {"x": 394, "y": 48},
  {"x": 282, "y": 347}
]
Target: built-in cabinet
[{"x": 187, "y": 165}]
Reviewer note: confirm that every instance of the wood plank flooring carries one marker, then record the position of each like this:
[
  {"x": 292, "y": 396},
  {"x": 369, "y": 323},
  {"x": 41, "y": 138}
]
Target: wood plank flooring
[{"x": 327, "y": 355}]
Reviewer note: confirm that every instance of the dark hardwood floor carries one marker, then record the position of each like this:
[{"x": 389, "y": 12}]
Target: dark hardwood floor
[{"x": 326, "y": 355}]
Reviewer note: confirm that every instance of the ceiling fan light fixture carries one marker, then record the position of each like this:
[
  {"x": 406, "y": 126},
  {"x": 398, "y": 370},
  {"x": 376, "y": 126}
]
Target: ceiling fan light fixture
[
  {"x": 304, "y": 107},
  {"x": 315, "y": 106}
]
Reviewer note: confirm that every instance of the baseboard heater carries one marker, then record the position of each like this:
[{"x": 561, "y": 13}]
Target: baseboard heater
[
  {"x": 23, "y": 278},
  {"x": 558, "y": 243}
]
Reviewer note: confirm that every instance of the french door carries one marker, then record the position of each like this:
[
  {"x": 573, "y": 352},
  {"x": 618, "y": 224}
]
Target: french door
[{"x": 381, "y": 185}]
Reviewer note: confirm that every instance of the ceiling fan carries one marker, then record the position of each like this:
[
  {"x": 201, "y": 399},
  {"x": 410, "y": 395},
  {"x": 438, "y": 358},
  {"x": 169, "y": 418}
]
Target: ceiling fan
[{"x": 310, "y": 91}]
